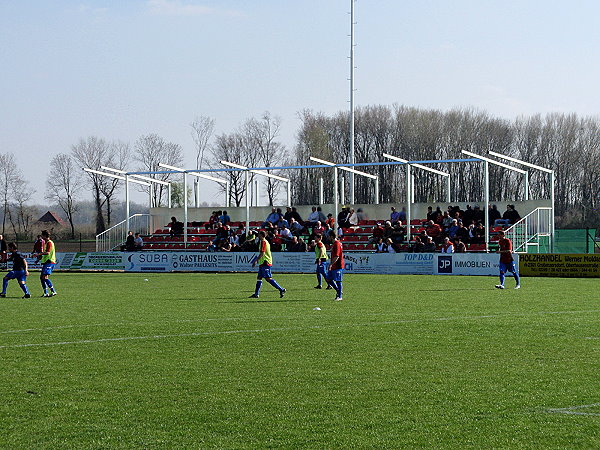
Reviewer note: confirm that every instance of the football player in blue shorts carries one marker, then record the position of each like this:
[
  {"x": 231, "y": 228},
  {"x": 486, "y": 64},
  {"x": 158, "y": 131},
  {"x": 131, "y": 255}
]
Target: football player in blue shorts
[
  {"x": 48, "y": 260},
  {"x": 19, "y": 271},
  {"x": 265, "y": 260},
  {"x": 336, "y": 268},
  {"x": 321, "y": 262}
]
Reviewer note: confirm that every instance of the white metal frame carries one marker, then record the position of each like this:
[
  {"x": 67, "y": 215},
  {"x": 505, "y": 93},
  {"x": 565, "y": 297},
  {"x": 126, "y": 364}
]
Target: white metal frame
[
  {"x": 486, "y": 200},
  {"x": 552, "y": 184},
  {"x": 246, "y": 181}
]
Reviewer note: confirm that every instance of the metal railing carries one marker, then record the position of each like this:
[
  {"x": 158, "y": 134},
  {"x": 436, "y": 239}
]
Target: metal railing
[
  {"x": 532, "y": 231},
  {"x": 116, "y": 235}
]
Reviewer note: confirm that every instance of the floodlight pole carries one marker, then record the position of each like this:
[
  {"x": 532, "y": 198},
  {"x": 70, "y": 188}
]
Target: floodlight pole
[
  {"x": 343, "y": 190},
  {"x": 185, "y": 210},
  {"x": 351, "y": 132},
  {"x": 486, "y": 201}
]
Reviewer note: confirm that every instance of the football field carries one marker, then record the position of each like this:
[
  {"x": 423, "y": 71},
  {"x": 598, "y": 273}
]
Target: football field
[{"x": 187, "y": 360}]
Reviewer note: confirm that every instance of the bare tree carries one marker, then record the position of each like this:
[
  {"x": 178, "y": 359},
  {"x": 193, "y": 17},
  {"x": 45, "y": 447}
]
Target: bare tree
[
  {"x": 9, "y": 179},
  {"x": 118, "y": 160},
  {"x": 232, "y": 148},
  {"x": 261, "y": 137},
  {"x": 150, "y": 150},
  {"x": 93, "y": 153},
  {"x": 62, "y": 186},
  {"x": 202, "y": 131}
]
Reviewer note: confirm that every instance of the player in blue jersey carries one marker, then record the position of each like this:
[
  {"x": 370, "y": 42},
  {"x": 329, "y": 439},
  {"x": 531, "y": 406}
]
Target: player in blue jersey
[{"x": 19, "y": 271}]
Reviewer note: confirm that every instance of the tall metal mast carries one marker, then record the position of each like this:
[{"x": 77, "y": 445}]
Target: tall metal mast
[{"x": 351, "y": 153}]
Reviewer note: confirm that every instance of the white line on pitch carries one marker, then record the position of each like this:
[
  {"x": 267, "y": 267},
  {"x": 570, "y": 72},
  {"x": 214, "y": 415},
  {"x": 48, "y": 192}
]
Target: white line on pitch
[
  {"x": 422, "y": 319},
  {"x": 260, "y": 330}
]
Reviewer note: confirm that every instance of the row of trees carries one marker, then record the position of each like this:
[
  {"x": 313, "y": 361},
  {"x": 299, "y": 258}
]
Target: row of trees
[{"x": 566, "y": 143}]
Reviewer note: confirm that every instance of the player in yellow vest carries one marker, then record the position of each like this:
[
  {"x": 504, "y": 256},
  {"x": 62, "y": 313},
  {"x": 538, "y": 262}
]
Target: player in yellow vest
[
  {"x": 265, "y": 261},
  {"x": 321, "y": 261},
  {"x": 48, "y": 260}
]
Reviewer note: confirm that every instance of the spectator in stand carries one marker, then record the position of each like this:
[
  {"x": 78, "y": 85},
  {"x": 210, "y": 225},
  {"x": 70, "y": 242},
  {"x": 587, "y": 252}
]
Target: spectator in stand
[
  {"x": 296, "y": 216},
  {"x": 295, "y": 227},
  {"x": 322, "y": 217},
  {"x": 221, "y": 234},
  {"x": 353, "y": 218},
  {"x": 212, "y": 221},
  {"x": 403, "y": 215},
  {"x": 439, "y": 216},
  {"x": 286, "y": 235},
  {"x": 447, "y": 221},
  {"x": 388, "y": 230},
  {"x": 313, "y": 217},
  {"x": 250, "y": 243},
  {"x": 510, "y": 216},
  {"x": 128, "y": 247},
  {"x": 318, "y": 229},
  {"x": 463, "y": 233},
  {"x": 390, "y": 247},
  {"x": 288, "y": 213},
  {"x": 460, "y": 246},
  {"x": 399, "y": 234},
  {"x": 394, "y": 216},
  {"x": 301, "y": 247},
  {"x": 272, "y": 218},
  {"x": 380, "y": 246},
  {"x": 224, "y": 218},
  {"x": 377, "y": 235},
  {"x": 361, "y": 215},
  {"x": 282, "y": 223},
  {"x": 478, "y": 215},
  {"x": 479, "y": 234},
  {"x": 176, "y": 227},
  {"x": 452, "y": 229},
  {"x": 434, "y": 231},
  {"x": 467, "y": 216},
  {"x": 429, "y": 246},
  {"x": 343, "y": 217},
  {"x": 430, "y": 214},
  {"x": 330, "y": 221},
  {"x": 493, "y": 214},
  {"x": 138, "y": 242},
  {"x": 418, "y": 246},
  {"x": 447, "y": 246}
]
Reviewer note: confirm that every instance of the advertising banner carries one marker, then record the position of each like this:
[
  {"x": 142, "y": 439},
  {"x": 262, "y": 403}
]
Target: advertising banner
[
  {"x": 560, "y": 265},
  {"x": 469, "y": 263}
]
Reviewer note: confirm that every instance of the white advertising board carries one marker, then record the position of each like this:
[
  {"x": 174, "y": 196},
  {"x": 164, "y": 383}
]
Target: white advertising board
[
  {"x": 369, "y": 263},
  {"x": 469, "y": 263}
]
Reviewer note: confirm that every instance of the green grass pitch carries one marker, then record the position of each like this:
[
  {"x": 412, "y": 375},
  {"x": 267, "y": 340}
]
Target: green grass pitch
[{"x": 187, "y": 360}]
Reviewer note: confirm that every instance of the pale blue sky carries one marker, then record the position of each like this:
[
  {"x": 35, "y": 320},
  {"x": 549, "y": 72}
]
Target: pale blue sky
[{"x": 120, "y": 69}]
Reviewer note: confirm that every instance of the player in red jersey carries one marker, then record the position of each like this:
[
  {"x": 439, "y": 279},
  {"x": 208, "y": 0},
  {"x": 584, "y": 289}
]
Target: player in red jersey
[
  {"x": 336, "y": 267},
  {"x": 507, "y": 263}
]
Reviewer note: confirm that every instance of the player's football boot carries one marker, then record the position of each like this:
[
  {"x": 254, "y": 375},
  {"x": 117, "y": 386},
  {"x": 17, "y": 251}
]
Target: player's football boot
[
  {"x": 27, "y": 296},
  {"x": 52, "y": 294},
  {"x": 518, "y": 286},
  {"x": 318, "y": 287},
  {"x": 499, "y": 286},
  {"x": 45, "y": 295},
  {"x": 281, "y": 293},
  {"x": 253, "y": 296},
  {"x": 2, "y": 295},
  {"x": 337, "y": 299}
]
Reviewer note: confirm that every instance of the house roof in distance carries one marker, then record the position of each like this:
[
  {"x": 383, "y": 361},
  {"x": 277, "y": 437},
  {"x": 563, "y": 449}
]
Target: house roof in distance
[{"x": 51, "y": 218}]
